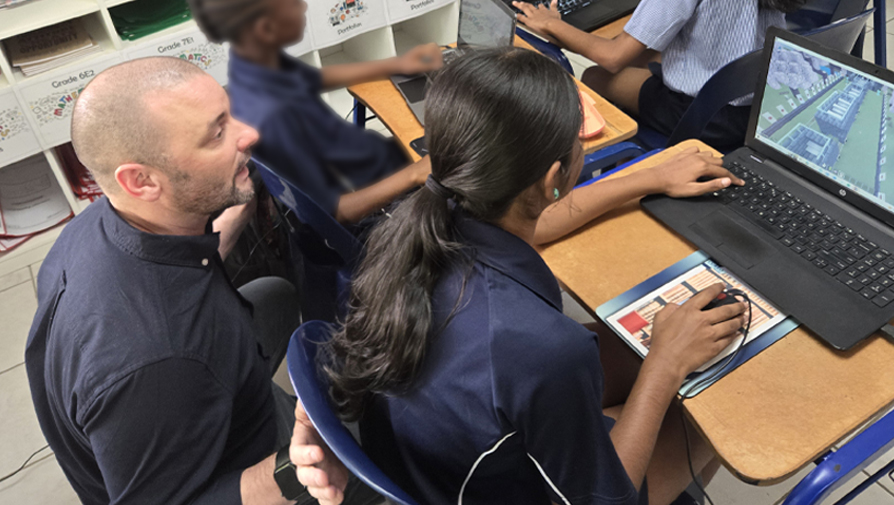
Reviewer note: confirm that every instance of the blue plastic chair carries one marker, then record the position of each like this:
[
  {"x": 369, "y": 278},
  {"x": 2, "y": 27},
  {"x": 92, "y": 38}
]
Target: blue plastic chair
[
  {"x": 621, "y": 152},
  {"x": 312, "y": 394},
  {"x": 834, "y": 468},
  {"x": 605, "y": 159},
  {"x": 327, "y": 301},
  {"x": 545, "y": 48},
  {"x": 334, "y": 236},
  {"x": 739, "y": 78},
  {"x": 817, "y": 13}
]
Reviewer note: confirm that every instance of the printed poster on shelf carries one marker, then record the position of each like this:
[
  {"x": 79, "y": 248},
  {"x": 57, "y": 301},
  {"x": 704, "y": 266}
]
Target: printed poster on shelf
[
  {"x": 191, "y": 46},
  {"x": 305, "y": 46},
  {"x": 333, "y": 21},
  {"x": 17, "y": 139},
  {"x": 399, "y": 10},
  {"x": 51, "y": 99}
]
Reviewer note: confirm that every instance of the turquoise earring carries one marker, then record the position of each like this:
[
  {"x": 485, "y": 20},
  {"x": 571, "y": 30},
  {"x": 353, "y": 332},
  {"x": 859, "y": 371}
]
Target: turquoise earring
[{"x": 556, "y": 193}]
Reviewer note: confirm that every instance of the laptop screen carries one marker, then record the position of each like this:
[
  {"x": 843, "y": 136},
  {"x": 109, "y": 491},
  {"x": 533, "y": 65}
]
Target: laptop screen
[
  {"x": 485, "y": 23},
  {"x": 831, "y": 118}
]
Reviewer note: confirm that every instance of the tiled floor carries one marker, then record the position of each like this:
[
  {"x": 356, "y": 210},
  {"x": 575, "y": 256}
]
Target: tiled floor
[{"x": 42, "y": 481}]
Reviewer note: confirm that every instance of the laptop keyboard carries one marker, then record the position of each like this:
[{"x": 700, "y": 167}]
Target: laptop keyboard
[
  {"x": 565, "y": 6},
  {"x": 451, "y": 55},
  {"x": 827, "y": 244}
]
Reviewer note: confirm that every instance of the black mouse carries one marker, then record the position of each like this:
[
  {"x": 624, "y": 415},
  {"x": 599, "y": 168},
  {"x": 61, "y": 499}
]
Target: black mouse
[{"x": 726, "y": 297}]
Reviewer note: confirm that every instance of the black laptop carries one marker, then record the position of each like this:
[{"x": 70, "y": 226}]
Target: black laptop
[
  {"x": 588, "y": 15},
  {"x": 812, "y": 229},
  {"x": 482, "y": 24}
]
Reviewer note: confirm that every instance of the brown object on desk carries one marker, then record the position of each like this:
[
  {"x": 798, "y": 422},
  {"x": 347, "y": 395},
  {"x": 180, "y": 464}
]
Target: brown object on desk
[
  {"x": 386, "y": 102},
  {"x": 612, "y": 29},
  {"x": 776, "y": 413}
]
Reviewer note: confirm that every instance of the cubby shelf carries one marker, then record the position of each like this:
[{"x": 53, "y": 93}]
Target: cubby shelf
[{"x": 339, "y": 31}]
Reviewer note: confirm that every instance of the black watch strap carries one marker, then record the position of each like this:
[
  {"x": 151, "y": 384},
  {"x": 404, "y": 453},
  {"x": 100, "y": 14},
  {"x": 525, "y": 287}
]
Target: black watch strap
[{"x": 285, "y": 476}]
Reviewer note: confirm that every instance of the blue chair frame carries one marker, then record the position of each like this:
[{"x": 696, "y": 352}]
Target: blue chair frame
[
  {"x": 545, "y": 48},
  {"x": 834, "y": 468},
  {"x": 614, "y": 154},
  {"x": 820, "y": 12},
  {"x": 334, "y": 236},
  {"x": 333, "y": 287},
  {"x": 301, "y": 360}
]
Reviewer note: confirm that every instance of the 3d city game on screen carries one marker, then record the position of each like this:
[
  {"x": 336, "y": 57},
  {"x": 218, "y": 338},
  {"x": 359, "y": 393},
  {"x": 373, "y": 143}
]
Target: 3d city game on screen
[{"x": 831, "y": 118}]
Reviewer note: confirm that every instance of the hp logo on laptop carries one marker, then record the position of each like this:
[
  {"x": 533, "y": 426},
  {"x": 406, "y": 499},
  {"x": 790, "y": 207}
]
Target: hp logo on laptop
[{"x": 842, "y": 192}]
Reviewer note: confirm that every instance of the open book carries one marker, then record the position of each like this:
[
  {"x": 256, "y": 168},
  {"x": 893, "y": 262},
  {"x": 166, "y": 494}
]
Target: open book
[
  {"x": 50, "y": 47},
  {"x": 30, "y": 199}
]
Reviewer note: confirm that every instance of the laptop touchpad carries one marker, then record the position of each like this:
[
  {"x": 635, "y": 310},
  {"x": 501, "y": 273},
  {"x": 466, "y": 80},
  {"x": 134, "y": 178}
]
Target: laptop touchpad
[{"x": 731, "y": 238}]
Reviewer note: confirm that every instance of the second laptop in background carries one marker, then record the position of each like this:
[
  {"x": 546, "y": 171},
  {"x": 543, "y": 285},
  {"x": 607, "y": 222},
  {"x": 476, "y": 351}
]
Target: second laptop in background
[{"x": 482, "y": 24}]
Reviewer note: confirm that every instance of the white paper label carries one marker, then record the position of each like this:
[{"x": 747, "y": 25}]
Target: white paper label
[
  {"x": 334, "y": 21},
  {"x": 51, "y": 100},
  {"x": 17, "y": 139}
]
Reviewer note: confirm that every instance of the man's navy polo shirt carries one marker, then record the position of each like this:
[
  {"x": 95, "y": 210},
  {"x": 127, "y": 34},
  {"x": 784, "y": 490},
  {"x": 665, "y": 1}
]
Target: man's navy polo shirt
[
  {"x": 145, "y": 373},
  {"x": 508, "y": 404},
  {"x": 302, "y": 138}
]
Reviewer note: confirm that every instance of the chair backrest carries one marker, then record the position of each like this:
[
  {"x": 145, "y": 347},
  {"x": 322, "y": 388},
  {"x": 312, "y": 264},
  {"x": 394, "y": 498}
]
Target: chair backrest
[
  {"x": 313, "y": 397},
  {"x": 335, "y": 236},
  {"x": 816, "y": 13},
  {"x": 739, "y": 77},
  {"x": 841, "y": 34},
  {"x": 545, "y": 48}
]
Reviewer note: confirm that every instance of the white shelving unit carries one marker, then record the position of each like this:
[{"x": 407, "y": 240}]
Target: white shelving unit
[{"x": 35, "y": 111}]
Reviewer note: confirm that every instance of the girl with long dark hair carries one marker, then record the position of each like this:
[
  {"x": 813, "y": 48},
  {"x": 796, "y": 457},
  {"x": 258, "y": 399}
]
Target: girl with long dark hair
[{"x": 470, "y": 384}]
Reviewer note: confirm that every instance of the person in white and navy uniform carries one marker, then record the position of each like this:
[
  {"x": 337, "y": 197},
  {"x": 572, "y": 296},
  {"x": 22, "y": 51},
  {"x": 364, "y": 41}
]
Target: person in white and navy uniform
[
  {"x": 470, "y": 384},
  {"x": 696, "y": 38}
]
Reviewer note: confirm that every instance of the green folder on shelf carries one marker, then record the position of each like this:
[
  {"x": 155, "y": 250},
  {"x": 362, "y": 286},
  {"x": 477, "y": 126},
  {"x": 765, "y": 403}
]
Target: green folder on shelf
[{"x": 144, "y": 17}]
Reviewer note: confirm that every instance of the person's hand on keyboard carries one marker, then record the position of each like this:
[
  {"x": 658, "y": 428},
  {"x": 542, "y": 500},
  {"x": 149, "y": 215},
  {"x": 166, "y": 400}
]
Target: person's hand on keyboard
[
  {"x": 424, "y": 58},
  {"x": 692, "y": 173},
  {"x": 539, "y": 17}
]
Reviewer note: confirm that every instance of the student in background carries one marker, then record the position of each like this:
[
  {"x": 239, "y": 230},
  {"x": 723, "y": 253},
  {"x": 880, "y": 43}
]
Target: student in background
[
  {"x": 470, "y": 384},
  {"x": 349, "y": 171},
  {"x": 696, "y": 38}
]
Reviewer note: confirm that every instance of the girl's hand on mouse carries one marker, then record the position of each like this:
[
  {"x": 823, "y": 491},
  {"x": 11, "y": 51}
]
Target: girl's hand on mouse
[
  {"x": 684, "y": 337},
  {"x": 679, "y": 177}
]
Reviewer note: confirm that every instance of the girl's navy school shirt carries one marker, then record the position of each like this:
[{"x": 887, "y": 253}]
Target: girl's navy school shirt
[
  {"x": 508, "y": 406},
  {"x": 302, "y": 138}
]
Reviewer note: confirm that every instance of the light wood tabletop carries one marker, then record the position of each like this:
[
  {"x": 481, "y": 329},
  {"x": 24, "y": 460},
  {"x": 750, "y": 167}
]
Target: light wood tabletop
[
  {"x": 776, "y": 413},
  {"x": 612, "y": 29},
  {"x": 386, "y": 102}
]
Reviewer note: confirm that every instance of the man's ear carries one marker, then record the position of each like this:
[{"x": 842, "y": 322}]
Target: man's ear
[{"x": 140, "y": 181}]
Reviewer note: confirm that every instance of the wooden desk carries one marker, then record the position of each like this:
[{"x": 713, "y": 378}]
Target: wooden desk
[
  {"x": 774, "y": 414},
  {"x": 612, "y": 29},
  {"x": 386, "y": 102}
]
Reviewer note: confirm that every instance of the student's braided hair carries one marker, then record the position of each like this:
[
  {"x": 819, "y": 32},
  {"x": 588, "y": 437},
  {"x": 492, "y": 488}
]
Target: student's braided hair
[
  {"x": 785, "y": 6},
  {"x": 223, "y": 20}
]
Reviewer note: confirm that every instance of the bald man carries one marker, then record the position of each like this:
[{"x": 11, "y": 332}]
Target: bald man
[{"x": 150, "y": 379}]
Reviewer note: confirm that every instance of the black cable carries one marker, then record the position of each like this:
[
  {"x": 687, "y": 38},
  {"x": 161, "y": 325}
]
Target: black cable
[
  {"x": 729, "y": 359},
  {"x": 347, "y": 118},
  {"x": 689, "y": 460},
  {"x": 35, "y": 453}
]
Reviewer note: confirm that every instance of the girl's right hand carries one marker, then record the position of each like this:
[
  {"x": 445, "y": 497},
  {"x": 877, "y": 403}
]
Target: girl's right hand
[
  {"x": 539, "y": 17},
  {"x": 685, "y": 337}
]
